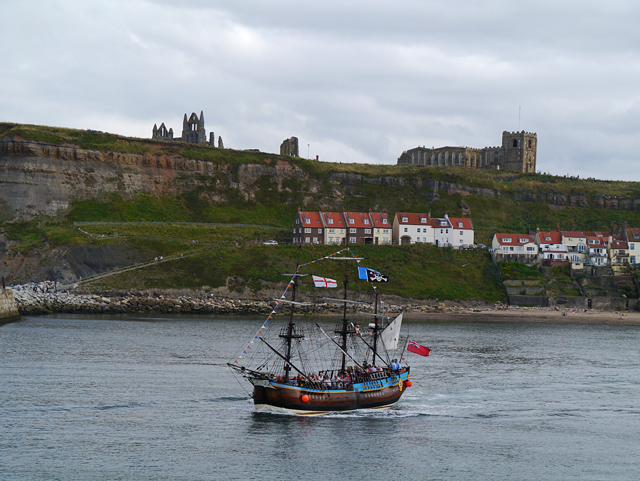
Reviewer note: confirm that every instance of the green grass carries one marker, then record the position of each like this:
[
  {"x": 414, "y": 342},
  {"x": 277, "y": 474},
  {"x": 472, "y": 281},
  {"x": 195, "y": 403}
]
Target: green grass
[{"x": 418, "y": 271}]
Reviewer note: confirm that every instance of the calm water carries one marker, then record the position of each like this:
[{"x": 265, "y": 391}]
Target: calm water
[{"x": 137, "y": 398}]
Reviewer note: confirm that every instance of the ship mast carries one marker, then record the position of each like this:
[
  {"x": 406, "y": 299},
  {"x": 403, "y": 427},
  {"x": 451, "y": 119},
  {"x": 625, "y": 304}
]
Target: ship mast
[
  {"x": 345, "y": 322},
  {"x": 291, "y": 328},
  {"x": 375, "y": 328}
]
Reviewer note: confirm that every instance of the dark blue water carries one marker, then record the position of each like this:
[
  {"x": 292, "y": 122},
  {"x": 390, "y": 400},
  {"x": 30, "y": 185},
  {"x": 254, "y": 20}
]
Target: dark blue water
[{"x": 141, "y": 398}]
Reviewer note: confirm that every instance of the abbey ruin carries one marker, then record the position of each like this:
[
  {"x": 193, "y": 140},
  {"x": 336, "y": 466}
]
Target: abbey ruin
[
  {"x": 193, "y": 132},
  {"x": 518, "y": 152}
]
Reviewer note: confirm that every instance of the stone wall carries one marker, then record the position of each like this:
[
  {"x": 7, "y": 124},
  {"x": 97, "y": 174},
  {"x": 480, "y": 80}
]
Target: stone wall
[
  {"x": 538, "y": 301},
  {"x": 8, "y": 306}
]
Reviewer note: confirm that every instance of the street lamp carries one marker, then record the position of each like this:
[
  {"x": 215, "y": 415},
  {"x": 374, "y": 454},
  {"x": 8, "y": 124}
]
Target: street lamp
[{"x": 307, "y": 151}]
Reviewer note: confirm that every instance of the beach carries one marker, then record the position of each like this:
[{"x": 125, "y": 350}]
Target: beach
[{"x": 515, "y": 314}]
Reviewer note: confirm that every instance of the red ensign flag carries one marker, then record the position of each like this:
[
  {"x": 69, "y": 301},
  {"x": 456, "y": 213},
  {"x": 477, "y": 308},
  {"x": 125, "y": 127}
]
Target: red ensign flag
[{"x": 416, "y": 348}]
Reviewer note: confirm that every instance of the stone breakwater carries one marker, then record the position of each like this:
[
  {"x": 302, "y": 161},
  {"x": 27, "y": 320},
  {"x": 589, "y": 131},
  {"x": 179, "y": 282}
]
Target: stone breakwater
[{"x": 44, "y": 298}]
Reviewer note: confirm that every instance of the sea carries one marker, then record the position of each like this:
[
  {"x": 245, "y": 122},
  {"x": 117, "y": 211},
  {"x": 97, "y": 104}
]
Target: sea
[{"x": 149, "y": 397}]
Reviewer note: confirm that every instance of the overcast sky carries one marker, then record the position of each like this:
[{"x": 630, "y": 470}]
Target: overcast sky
[{"x": 355, "y": 81}]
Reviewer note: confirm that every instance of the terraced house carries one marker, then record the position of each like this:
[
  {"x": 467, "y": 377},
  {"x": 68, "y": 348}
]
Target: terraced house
[{"x": 341, "y": 228}]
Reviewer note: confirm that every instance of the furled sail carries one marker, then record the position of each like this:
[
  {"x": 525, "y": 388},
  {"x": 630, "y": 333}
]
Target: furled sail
[{"x": 391, "y": 334}]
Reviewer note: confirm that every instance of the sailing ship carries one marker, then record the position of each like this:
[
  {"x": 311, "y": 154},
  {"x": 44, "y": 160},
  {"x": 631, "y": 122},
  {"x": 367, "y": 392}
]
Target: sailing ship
[{"x": 315, "y": 372}]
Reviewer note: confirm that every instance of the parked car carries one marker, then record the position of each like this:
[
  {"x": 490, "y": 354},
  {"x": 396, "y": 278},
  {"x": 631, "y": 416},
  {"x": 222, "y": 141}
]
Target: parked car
[
  {"x": 270, "y": 243},
  {"x": 481, "y": 246}
]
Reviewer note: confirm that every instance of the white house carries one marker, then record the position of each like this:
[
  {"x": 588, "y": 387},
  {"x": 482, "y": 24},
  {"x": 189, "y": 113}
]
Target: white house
[
  {"x": 443, "y": 231},
  {"x": 550, "y": 247},
  {"x": 514, "y": 245},
  {"x": 409, "y": 228},
  {"x": 462, "y": 229}
]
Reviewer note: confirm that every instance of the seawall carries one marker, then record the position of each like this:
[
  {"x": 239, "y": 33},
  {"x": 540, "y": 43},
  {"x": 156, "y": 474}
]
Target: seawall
[{"x": 8, "y": 306}]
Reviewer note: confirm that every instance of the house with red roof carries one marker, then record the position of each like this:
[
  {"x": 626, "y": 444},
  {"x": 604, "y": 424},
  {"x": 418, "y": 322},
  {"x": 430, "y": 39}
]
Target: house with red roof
[
  {"x": 359, "y": 228},
  {"x": 632, "y": 237},
  {"x": 462, "y": 229},
  {"x": 597, "y": 243},
  {"x": 411, "y": 228},
  {"x": 514, "y": 247},
  {"x": 550, "y": 248},
  {"x": 308, "y": 228},
  {"x": 618, "y": 253},
  {"x": 382, "y": 231},
  {"x": 577, "y": 248},
  {"x": 334, "y": 227}
]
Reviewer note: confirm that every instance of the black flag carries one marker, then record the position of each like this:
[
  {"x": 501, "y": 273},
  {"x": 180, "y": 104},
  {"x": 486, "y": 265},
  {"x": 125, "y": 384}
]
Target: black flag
[{"x": 373, "y": 276}]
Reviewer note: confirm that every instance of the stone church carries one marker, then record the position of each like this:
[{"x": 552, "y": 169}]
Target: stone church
[
  {"x": 193, "y": 132},
  {"x": 518, "y": 152}
]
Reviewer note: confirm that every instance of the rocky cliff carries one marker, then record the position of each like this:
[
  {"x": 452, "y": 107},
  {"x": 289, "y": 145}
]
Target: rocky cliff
[{"x": 39, "y": 178}]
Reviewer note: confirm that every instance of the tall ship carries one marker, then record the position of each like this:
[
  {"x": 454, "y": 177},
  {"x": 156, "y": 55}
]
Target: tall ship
[{"x": 303, "y": 368}]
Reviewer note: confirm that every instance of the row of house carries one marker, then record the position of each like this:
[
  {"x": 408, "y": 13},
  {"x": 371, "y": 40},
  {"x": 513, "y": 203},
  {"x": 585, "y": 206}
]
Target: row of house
[
  {"x": 580, "y": 249},
  {"x": 345, "y": 228}
]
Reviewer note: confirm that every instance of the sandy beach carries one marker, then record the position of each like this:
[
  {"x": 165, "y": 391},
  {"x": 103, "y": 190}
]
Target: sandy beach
[{"x": 532, "y": 315}]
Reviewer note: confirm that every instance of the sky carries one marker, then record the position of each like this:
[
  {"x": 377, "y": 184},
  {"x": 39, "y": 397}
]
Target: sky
[{"x": 355, "y": 81}]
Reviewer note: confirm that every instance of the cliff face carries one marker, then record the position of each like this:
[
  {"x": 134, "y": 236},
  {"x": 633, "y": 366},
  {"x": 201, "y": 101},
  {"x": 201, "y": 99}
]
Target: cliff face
[{"x": 38, "y": 178}]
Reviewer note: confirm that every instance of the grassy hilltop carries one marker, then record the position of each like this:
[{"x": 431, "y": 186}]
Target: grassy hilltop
[{"x": 498, "y": 202}]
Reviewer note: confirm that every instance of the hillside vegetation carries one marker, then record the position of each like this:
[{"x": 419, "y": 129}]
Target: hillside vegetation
[{"x": 497, "y": 202}]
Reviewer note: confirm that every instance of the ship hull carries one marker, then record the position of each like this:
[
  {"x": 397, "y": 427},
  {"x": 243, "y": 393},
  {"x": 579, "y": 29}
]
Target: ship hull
[{"x": 379, "y": 394}]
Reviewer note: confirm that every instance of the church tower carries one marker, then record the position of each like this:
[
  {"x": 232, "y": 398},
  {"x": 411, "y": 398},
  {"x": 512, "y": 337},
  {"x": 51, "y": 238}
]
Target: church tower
[{"x": 520, "y": 151}]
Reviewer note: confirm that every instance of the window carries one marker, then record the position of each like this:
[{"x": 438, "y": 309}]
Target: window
[
  {"x": 306, "y": 239},
  {"x": 384, "y": 221},
  {"x": 307, "y": 221},
  {"x": 447, "y": 231},
  {"x": 460, "y": 225},
  {"x": 406, "y": 229},
  {"x": 331, "y": 231},
  {"x": 385, "y": 231},
  {"x": 423, "y": 220},
  {"x": 461, "y": 232},
  {"x": 367, "y": 231},
  {"x": 352, "y": 240},
  {"x": 547, "y": 239},
  {"x": 523, "y": 240},
  {"x": 632, "y": 247},
  {"x": 530, "y": 249},
  {"x": 366, "y": 221},
  {"x": 515, "y": 143},
  {"x": 352, "y": 230},
  {"x": 503, "y": 239},
  {"x": 307, "y": 230},
  {"x": 529, "y": 143},
  {"x": 329, "y": 221},
  {"x": 352, "y": 221},
  {"x": 319, "y": 231},
  {"x": 621, "y": 252},
  {"x": 418, "y": 230},
  {"x": 315, "y": 240},
  {"x": 404, "y": 219}
]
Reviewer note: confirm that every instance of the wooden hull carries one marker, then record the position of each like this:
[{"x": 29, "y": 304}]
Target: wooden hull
[{"x": 379, "y": 394}]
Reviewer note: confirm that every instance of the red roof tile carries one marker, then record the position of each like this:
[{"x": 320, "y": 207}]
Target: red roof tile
[
  {"x": 461, "y": 223},
  {"x": 412, "y": 218},
  {"x": 516, "y": 239},
  {"x": 357, "y": 219},
  {"x": 378, "y": 219}
]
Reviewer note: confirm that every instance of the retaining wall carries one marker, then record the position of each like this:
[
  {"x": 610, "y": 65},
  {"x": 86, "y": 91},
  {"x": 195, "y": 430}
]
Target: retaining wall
[{"x": 8, "y": 306}]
